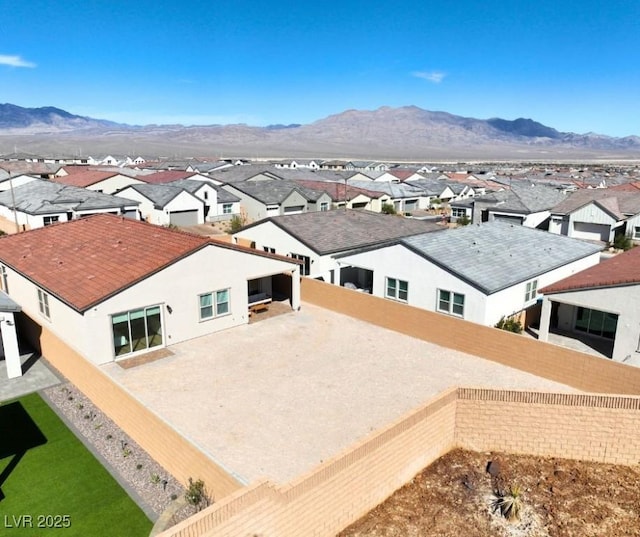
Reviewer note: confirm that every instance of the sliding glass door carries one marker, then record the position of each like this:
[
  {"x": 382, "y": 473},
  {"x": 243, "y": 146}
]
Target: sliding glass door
[{"x": 136, "y": 330}]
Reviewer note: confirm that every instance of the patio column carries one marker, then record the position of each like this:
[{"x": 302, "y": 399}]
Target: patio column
[
  {"x": 295, "y": 288},
  {"x": 545, "y": 319},
  {"x": 10, "y": 345}
]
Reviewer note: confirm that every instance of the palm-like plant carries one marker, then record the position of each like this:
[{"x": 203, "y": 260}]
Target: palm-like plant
[{"x": 509, "y": 503}]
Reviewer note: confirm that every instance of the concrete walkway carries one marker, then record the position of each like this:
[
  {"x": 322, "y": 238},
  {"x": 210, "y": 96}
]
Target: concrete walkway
[
  {"x": 36, "y": 376},
  {"x": 276, "y": 398}
]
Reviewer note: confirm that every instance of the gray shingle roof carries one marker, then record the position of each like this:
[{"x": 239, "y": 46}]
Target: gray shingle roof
[
  {"x": 45, "y": 197},
  {"x": 394, "y": 190},
  {"x": 522, "y": 198},
  {"x": 496, "y": 255},
  {"x": 159, "y": 194},
  {"x": 626, "y": 202},
  {"x": 273, "y": 192},
  {"x": 328, "y": 232}
]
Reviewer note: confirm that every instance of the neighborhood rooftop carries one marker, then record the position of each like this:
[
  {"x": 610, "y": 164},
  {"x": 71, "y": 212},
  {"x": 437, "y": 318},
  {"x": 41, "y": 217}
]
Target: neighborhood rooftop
[
  {"x": 87, "y": 260},
  {"x": 495, "y": 255},
  {"x": 339, "y": 230},
  {"x": 45, "y": 197},
  {"x": 622, "y": 269}
]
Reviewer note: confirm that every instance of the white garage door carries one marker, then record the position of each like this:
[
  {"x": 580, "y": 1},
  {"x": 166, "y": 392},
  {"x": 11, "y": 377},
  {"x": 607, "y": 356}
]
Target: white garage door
[
  {"x": 591, "y": 232},
  {"x": 184, "y": 218}
]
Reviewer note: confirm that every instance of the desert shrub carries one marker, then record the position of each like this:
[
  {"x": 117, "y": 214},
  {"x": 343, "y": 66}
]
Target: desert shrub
[
  {"x": 509, "y": 503},
  {"x": 463, "y": 220},
  {"x": 509, "y": 324},
  {"x": 197, "y": 495},
  {"x": 622, "y": 242},
  {"x": 388, "y": 208},
  {"x": 236, "y": 223}
]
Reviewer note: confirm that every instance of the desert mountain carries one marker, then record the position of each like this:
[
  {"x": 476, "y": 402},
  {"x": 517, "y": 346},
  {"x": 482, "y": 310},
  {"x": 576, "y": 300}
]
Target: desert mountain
[{"x": 386, "y": 133}]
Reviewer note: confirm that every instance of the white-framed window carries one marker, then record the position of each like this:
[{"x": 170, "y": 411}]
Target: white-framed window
[
  {"x": 450, "y": 302},
  {"x": 136, "y": 330},
  {"x": 43, "y": 303},
  {"x": 636, "y": 233},
  {"x": 48, "y": 220},
  {"x": 269, "y": 250},
  {"x": 397, "y": 289},
  {"x": 214, "y": 304},
  {"x": 305, "y": 269},
  {"x": 531, "y": 290},
  {"x": 324, "y": 206},
  {"x": 5, "y": 281},
  {"x": 458, "y": 212},
  {"x": 227, "y": 208}
]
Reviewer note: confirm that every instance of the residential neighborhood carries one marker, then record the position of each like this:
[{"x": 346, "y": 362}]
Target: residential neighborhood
[{"x": 253, "y": 323}]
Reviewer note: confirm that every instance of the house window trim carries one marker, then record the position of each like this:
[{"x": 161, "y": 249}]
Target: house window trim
[
  {"x": 129, "y": 337},
  {"x": 636, "y": 233},
  {"x": 451, "y": 303},
  {"x": 305, "y": 269},
  {"x": 215, "y": 305},
  {"x": 43, "y": 304},
  {"x": 393, "y": 289},
  {"x": 5, "y": 279},
  {"x": 531, "y": 291},
  {"x": 50, "y": 220},
  {"x": 227, "y": 208}
]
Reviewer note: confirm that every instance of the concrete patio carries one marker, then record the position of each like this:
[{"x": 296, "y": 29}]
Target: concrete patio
[{"x": 276, "y": 398}]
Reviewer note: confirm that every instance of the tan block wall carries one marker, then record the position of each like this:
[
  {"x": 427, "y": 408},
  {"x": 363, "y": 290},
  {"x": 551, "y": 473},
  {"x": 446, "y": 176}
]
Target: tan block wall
[
  {"x": 582, "y": 371},
  {"x": 585, "y": 427},
  {"x": 339, "y": 491},
  {"x": 336, "y": 494},
  {"x": 178, "y": 456}
]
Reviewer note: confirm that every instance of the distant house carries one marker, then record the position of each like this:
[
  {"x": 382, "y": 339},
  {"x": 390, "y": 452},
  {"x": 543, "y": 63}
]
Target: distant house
[
  {"x": 349, "y": 196},
  {"x": 40, "y": 203},
  {"x": 97, "y": 180},
  {"x": 527, "y": 204},
  {"x": 599, "y": 306},
  {"x": 316, "y": 237},
  {"x": 405, "y": 197},
  {"x": 219, "y": 205},
  {"x": 479, "y": 273},
  {"x": 9, "y": 182},
  {"x": 113, "y": 288},
  {"x": 265, "y": 198},
  {"x": 165, "y": 204},
  {"x": 169, "y": 176},
  {"x": 597, "y": 215}
]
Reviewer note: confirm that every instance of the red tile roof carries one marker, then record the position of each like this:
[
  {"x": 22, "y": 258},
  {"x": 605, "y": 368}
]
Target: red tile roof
[
  {"x": 622, "y": 269},
  {"x": 85, "y": 261},
  {"x": 166, "y": 176},
  {"x": 627, "y": 187},
  {"x": 84, "y": 178}
]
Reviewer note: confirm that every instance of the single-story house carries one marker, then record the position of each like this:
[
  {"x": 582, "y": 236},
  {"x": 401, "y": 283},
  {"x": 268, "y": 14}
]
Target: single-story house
[
  {"x": 599, "y": 306},
  {"x": 111, "y": 288},
  {"x": 315, "y": 238},
  {"x": 41, "y": 202},
  {"x": 108, "y": 182},
  {"x": 272, "y": 197},
  {"x": 527, "y": 204},
  {"x": 349, "y": 196},
  {"x": 405, "y": 197},
  {"x": 479, "y": 272},
  {"x": 164, "y": 204},
  {"x": 597, "y": 214}
]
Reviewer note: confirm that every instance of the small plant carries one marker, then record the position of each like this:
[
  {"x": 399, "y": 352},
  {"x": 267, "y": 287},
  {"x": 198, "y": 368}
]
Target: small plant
[
  {"x": 509, "y": 324},
  {"x": 622, "y": 242},
  {"x": 126, "y": 452},
  {"x": 509, "y": 503},
  {"x": 236, "y": 223},
  {"x": 174, "y": 497},
  {"x": 197, "y": 495},
  {"x": 98, "y": 426},
  {"x": 79, "y": 406},
  {"x": 155, "y": 479},
  {"x": 87, "y": 416},
  {"x": 463, "y": 220},
  {"x": 109, "y": 437},
  {"x": 138, "y": 466},
  {"x": 388, "y": 208}
]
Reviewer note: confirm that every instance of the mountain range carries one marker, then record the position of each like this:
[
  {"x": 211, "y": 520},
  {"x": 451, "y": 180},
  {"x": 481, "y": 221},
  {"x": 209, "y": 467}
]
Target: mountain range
[{"x": 405, "y": 133}]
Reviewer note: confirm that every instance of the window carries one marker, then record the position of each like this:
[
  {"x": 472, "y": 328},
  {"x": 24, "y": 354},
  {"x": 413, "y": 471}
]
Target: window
[
  {"x": 227, "y": 208},
  {"x": 48, "y": 220},
  {"x": 214, "y": 304},
  {"x": 324, "y": 206},
  {"x": 43, "y": 303},
  {"x": 136, "y": 330},
  {"x": 458, "y": 212},
  {"x": 598, "y": 323},
  {"x": 269, "y": 250},
  {"x": 3, "y": 275},
  {"x": 397, "y": 289},
  {"x": 305, "y": 269},
  {"x": 452, "y": 303},
  {"x": 636, "y": 233},
  {"x": 532, "y": 290}
]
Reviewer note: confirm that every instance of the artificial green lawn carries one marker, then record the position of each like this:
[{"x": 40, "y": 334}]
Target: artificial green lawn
[{"x": 57, "y": 475}]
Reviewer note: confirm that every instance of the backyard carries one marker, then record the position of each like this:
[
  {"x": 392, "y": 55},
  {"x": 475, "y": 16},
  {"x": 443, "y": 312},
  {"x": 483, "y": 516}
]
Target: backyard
[
  {"x": 560, "y": 498},
  {"x": 51, "y": 484}
]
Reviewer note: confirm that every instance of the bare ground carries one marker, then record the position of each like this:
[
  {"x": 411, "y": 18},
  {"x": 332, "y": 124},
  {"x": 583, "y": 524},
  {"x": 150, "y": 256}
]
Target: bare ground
[{"x": 561, "y": 498}]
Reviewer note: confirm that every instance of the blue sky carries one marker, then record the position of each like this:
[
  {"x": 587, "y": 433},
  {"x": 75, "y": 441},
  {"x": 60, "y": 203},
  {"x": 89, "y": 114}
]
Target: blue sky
[{"x": 572, "y": 65}]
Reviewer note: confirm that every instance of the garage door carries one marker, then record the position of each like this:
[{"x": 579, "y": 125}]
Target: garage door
[
  {"x": 184, "y": 218},
  {"x": 591, "y": 232}
]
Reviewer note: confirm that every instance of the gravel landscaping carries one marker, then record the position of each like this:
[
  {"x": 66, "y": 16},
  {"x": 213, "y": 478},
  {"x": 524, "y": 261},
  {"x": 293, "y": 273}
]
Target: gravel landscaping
[{"x": 152, "y": 487}]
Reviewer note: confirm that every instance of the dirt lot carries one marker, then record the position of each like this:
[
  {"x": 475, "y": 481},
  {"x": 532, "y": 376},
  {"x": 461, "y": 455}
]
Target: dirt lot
[{"x": 561, "y": 498}]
